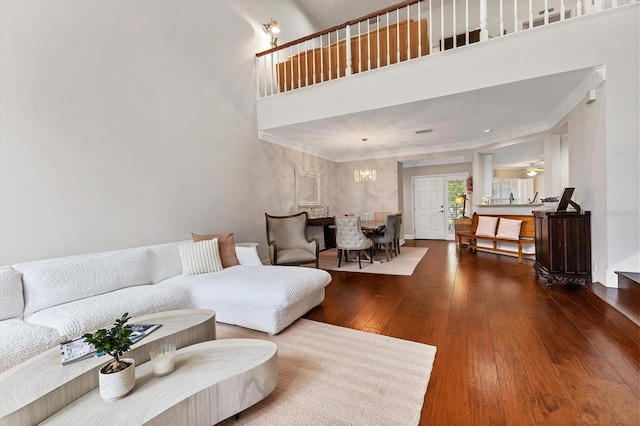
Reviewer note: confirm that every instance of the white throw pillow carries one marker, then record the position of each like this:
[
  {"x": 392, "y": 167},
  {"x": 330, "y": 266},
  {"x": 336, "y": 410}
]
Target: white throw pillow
[
  {"x": 509, "y": 229},
  {"x": 486, "y": 226},
  {"x": 200, "y": 258}
]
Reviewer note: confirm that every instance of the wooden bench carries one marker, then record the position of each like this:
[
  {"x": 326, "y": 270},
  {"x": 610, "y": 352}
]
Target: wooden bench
[{"x": 526, "y": 236}]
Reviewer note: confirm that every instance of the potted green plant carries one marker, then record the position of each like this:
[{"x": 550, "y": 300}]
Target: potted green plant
[
  {"x": 118, "y": 376},
  {"x": 550, "y": 202}
]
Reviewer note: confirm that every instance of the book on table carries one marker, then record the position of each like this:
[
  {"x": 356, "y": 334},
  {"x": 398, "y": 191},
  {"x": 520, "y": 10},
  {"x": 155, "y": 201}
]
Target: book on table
[{"x": 78, "y": 349}]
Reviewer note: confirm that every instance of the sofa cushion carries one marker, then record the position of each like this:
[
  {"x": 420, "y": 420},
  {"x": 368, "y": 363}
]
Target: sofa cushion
[
  {"x": 52, "y": 282},
  {"x": 166, "y": 260},
  {"x": 20, "y": 341},
  {"x": 73, "y": 319},
  {"x": 247, "y": 254},
  {"x": 509, "y": 229},
  {"x": 226, "y": 246},
  {"x": 264, "y": 298},
  {"x": 486, "y": 226},
  {"x": 201, "y": 257},
  {"x": 11, "y": 299}
]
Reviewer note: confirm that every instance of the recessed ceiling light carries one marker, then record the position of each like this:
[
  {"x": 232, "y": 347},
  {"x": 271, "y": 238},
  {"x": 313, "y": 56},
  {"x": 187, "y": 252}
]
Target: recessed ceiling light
[
  {"x": 487, "y": 130},
  {"x": 424, "y": 131}
]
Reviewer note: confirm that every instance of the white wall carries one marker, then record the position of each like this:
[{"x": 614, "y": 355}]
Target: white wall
[
  {"x": 358, "y": 198},
  {"x": 133, "y": 122}
]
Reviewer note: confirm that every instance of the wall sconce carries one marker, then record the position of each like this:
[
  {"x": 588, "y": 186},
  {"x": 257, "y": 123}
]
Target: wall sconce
[
  {"x": 461, "y": 199},
  {"x": 272, "y": 28}
]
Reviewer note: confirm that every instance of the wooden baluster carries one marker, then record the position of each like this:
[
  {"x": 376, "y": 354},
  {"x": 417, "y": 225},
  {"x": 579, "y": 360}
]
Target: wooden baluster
[
  {"x": 484, "y": 32},
  {"x": 455, "y": 39},
  {"x": 368, "y": 44},
  {"x": 430, "y": 26},
  {"x": 348, "y": 49},
  {"x": 409, "y": 35},
  {"x": 321, "y": 61},
  {"x": 388, "y": 45},
  {"x": 329, "y": 48},
  {"x": 313, "y": 44},
  {"x": 466, "y": 23},
  {"x": 359, "y": 47},
  {"x": 299, "y": 68},
  {"x": 397, "y": 35},
  {"x": 257, "y": 77},
  {"x": 337, "y": 54},
  {"x": 501, "y": 18},
  {"x": 378, "y": 37},
  {"x": 546, "y": 12},
  {"x": 442, "y": 24},
  {"x": 419, "y": 32}
]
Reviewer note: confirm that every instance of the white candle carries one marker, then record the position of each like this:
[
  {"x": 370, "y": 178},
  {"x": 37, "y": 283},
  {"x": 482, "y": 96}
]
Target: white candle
[{"x": 162, "y": 364}]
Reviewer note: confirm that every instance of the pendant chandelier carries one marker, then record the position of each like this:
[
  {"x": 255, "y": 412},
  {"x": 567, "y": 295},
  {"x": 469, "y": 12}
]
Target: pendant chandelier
[{"x": 365, "y": 174}]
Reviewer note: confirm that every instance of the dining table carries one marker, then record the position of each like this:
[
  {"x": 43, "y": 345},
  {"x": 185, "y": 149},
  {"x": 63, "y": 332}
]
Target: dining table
[{"x": 373, "y": 225}]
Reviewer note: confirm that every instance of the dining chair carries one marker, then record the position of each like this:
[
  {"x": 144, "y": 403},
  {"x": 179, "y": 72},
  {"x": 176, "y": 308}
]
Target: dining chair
[
  {"x": 288, "y": 241},
  {"x": 386, "y": 237},
  {"x": 396, "y": 236},
  {"x": 349, "y": 237},
  {"x": 380, "y": 216}
]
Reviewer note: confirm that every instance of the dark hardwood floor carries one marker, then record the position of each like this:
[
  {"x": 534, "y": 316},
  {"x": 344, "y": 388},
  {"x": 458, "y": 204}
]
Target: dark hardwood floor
[{"x": 510, "y": 350}]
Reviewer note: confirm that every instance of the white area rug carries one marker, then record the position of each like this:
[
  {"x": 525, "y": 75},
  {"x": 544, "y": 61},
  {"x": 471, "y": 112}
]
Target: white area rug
[
  {"x": 404, "y": 264},
  {"x": 329, "y": 375}
]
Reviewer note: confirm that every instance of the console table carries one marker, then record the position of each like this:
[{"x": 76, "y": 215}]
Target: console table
[{"x": 563, "y": 246}]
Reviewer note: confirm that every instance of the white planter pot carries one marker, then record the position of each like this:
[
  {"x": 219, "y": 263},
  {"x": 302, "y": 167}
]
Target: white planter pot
[
  {"x": 116, "y": 385},
  {"x": 550, "y": 205}
]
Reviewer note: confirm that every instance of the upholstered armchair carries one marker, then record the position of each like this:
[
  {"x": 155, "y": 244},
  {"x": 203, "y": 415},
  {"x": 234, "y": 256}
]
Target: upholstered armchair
[
  {"x": 288, "y": 241},
  {"x": 349, "y": 237},
  {"x": 387, "y": 236}
]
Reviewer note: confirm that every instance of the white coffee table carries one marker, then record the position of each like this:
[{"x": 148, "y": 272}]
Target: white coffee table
[
  {"x": 212, "y": 381},
  {"x": 35, "y": 389}
]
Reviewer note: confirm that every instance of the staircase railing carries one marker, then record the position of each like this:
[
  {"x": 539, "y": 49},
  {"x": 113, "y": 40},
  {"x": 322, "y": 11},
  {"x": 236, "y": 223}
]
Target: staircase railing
[{"x": 407, "y": 31}]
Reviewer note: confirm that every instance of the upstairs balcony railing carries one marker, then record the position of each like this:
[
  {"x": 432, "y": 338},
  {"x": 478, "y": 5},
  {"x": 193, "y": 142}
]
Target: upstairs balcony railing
[{"x": 407, "y": 31}]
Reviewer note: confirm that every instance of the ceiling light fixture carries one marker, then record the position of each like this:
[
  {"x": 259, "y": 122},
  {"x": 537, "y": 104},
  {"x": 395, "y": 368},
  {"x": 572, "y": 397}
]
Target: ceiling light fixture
[
  {"x": 532, "y": 173},
  {"x": 365, "y": 174},
  {"x": 487, "y": 130},
  {"x": 272, "y": 29}
]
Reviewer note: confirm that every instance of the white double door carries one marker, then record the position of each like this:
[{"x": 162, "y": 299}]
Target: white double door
[{"x": 429, "y": 208}]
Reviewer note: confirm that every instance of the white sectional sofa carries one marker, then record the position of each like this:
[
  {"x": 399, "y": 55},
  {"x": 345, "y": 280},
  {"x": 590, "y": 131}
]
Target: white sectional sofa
[{"x": 43, "y": 303}]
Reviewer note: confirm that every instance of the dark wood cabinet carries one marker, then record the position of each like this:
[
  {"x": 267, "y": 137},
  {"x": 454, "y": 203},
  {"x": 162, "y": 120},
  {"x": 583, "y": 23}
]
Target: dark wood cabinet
[{"x": 563, "y": 246}]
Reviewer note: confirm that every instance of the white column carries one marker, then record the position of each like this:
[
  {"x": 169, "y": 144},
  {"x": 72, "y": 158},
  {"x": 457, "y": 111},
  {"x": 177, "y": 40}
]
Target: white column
[{"x": 486, "y": 189}]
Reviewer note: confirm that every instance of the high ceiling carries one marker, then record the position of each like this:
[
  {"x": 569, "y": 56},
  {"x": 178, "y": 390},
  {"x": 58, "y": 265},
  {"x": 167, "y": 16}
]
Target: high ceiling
[{"x": 455, "y": 122}]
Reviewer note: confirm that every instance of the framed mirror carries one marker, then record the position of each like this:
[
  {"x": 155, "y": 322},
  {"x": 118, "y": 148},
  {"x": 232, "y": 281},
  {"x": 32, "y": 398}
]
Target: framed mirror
[{"x": 307, "y": 189}]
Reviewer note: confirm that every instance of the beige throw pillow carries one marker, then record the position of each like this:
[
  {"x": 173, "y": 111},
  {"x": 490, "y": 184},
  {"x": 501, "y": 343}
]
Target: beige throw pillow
[
  {"x": 226, "y": 245},
  {"x": 486, "y": 226},
  {"x": 509, "y": 229},
  {"x": 200, "y": 258}
]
